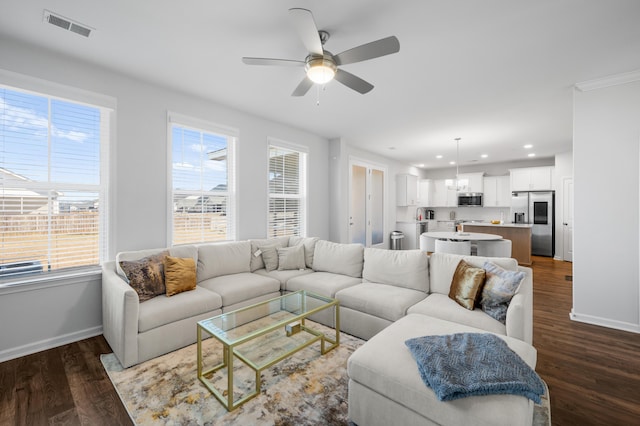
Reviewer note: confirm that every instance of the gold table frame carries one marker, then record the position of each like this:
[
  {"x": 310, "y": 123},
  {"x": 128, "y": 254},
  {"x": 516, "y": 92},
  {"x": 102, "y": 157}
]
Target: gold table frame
[{"x": 212, "y": 326}]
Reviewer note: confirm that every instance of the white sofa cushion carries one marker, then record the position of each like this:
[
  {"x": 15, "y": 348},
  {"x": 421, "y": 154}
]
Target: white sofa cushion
[
  {"x": 284, "y": 276},
  {"x": 381, "y": 300},
  {"x": 164, "y": 310},
  {"x": 385, "y": 365},
  {"x": 345, "y": 259},
  {"x": 219, "y": 259},
  {"x": 441, "y": 306},
  {"x": 322, "y": 283},
  {"x": 403, "y": 268},
  {"x": 443, "y": 265},
  {"x": 236, "y": 288},
  {"x": 309, "y": 244},
  {"x": 177, "y": 251}
]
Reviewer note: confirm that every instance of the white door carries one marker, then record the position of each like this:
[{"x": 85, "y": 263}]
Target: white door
[
  {"x": 366, "y": 213},
  {"x": 567, "y": 219}
]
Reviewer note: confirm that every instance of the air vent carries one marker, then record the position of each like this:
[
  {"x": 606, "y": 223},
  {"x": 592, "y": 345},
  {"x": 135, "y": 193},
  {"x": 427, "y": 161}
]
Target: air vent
[{"x": 66, "y": 23}]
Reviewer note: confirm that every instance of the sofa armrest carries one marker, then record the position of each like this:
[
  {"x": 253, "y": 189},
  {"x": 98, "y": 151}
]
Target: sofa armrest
[
  {"x": 519, "y": 321},
  {"x": 120, "y": 307}
]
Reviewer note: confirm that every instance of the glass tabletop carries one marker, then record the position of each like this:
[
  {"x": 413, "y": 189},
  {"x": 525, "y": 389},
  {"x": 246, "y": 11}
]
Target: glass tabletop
[{"x": 243, "y": 324}]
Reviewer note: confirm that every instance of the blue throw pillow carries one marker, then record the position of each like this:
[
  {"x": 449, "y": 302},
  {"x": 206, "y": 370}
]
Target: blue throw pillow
[{"x": 499, "y": 288}]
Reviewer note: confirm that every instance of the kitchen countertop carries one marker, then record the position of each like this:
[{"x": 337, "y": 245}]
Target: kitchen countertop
[{"x": 504, "y": 225}]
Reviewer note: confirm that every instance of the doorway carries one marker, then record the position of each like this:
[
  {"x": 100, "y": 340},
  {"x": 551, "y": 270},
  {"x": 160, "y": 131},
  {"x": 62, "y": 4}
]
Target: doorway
[
  {"x": 567, "y": 219},
  {"x": 367, "y": 200}
]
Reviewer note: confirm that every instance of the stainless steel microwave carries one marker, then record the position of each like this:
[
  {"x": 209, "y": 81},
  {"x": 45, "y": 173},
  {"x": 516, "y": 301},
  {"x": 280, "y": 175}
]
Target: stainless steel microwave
[{"x": 470, "y": 199}]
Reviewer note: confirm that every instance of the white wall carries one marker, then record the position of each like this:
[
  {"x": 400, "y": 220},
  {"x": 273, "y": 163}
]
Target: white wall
[
  {"x": 606, "y": 159},
  {"x": 139, "y": 179}
]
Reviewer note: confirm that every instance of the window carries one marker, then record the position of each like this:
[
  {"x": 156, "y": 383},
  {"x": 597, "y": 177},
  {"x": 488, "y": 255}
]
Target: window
[
  {"x": 202, "y": 175},
  {"x": 53, "y": 183},
  {"x": 287, "y": 190}
]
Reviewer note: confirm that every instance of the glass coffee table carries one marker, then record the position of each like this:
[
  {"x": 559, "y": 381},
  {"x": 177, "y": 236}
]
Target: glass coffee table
[{"x": 262, "y": 335}]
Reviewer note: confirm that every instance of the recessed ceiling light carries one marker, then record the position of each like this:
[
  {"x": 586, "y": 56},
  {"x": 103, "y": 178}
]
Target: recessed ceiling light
[
  {"x": 484, "y": 155},
  {"x": 452, "y": 162},
  {"x": 531, "y": 155},
  {"x": 528, "y": 146},
  {"x": 392, "y": 148},
  {"x": 421, "y": 165},
  {"x": 438, "y": 157}
]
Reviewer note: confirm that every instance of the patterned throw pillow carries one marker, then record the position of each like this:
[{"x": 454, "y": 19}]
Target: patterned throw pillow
[
  {"x": 466, "y": 285},
  {"x": 179, "y": 274},
  {"x": 146, "y": 275},
  {"x": 499, "y": 288}
]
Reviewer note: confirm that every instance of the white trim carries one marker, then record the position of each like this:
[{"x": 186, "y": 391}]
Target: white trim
[
  {"x": 612, "y": 80},
  {"x": 50, "y": 279},
  {"x": 287, "y": 145},
  {"x": 200, "y": 124},
  {"x": 48, "y": 88},
  {"x": 604, "y": 322},
  {"x": 50, "y": 343}
]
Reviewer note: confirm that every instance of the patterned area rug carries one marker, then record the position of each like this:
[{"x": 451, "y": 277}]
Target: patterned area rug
[{"x": 306, "y": 389}]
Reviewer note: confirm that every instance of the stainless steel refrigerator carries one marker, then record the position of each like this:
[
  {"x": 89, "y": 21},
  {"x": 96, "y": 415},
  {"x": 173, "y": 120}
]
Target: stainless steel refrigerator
[{"x": 537, "y": 209}]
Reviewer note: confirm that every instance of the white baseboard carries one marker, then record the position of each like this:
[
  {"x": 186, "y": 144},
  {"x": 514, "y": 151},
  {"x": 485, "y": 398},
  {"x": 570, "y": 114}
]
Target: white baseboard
[
  {"x": 604, "y": 322},
  {"x": 45, "y": 344}
]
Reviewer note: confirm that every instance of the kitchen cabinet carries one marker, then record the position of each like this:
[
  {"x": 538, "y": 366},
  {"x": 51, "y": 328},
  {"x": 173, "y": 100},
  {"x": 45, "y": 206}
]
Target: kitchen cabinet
[
  {"x": 425, "y": 192},
  {"x": 406, "y": 190},
  {"x": 471, "y": 182},
  {"x": 497, "y": 191},
  {"x": 532, "y": 179},
  {"x": 443, "y": 196}
]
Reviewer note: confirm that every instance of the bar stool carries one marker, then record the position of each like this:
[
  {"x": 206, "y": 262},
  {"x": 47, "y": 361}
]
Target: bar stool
[{"x": 453, "y": 247}]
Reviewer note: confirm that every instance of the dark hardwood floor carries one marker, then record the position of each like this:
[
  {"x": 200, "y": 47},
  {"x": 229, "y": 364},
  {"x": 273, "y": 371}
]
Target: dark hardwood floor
[{"x": 593, "y": 372}]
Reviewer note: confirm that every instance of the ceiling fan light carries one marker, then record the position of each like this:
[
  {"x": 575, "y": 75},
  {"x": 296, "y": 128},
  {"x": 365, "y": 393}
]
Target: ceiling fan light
[{"x": 320, "y": 70}]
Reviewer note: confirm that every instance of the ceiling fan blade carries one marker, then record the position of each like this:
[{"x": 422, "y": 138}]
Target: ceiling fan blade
[
  {"x": 307, "y": 30},
  {"x": 271, "y": 61},
  {"x": 303, "y": 87},
  {"x": 375, "y": 49},
  {"x": 353, "y": 82}
]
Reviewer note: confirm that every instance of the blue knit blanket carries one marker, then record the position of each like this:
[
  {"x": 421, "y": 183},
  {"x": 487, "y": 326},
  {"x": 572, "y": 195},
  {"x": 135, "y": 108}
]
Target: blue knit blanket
[{"x": 467, "y": 364}]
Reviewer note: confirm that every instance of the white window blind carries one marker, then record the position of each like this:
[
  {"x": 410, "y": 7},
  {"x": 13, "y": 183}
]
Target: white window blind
[
  {"x": 53, "y": 183},
  {"x": 287, "y": 191},
  {"x": 202, "y": 170}
]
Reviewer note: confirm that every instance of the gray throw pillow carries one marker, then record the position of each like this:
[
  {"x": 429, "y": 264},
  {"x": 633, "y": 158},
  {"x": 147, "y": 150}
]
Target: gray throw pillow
[
  {"x": 257, "y": 247},
  {"x": 291, "y": 258},
  {"x": 270, "y": 258},
  {"x": 499, "y": 288}
]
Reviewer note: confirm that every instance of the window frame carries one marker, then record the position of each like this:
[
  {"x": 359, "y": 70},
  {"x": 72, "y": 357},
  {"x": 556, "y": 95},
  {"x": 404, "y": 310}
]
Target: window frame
[
  {"x": 302, "y": 180},
  {"x": 108, "y": 106},
  {"x": 200, "y": 125}
]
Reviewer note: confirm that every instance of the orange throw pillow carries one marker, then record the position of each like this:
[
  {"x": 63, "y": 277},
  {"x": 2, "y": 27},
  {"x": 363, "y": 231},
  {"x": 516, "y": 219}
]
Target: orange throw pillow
[{"x": 179, "y": 274}]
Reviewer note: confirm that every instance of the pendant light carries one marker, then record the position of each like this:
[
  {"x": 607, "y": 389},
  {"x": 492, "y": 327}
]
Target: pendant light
[{"x": 456, "y": 183}]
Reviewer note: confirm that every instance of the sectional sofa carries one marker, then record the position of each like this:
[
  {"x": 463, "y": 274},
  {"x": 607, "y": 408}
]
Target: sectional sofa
[{"x": 378, "y": 290}]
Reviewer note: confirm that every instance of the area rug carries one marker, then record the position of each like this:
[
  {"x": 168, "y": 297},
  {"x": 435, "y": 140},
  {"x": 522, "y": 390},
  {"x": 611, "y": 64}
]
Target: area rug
[{"x": 306, "y": 389}]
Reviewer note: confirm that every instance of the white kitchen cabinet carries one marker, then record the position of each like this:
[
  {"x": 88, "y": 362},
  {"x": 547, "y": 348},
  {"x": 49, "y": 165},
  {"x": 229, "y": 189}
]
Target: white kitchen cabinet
[
  {"x": 425, "y": 192},
  {"x": 497, "y": 191},
  {"x": 532, "y": 179},
  {"x": 471, "y": 182},
  {"x": 406, "y": 190},
  {"x": 443, "y": 196}
]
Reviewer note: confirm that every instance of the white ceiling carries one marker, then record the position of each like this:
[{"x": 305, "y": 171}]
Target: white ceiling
[{"x": 497, "y": 73}]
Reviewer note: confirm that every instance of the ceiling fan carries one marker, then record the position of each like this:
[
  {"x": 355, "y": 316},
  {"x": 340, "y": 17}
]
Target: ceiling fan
[{"x": 321, "y": 66}]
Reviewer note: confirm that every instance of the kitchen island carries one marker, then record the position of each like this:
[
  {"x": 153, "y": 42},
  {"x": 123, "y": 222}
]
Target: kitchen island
[{"x": 518, "y": 233}]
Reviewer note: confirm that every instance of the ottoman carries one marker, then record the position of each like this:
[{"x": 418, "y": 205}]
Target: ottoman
[{"x": 385, "y": 386}]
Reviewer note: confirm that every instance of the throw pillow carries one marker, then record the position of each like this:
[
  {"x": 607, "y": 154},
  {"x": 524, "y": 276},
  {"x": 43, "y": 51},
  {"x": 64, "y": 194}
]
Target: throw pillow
[
  {"x": 270, "y": 258},
  {"x": 291, "y": 258},
  {"x": 257, "y": 247},
  {"x": 179, "y": 274},
  {"x": 466, "y": 285},
  {"x": 499, "y": 288},
  {"x": 146, "y": 275}
]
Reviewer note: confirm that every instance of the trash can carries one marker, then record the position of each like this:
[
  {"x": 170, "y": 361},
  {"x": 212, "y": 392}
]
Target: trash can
[{"x": 396, "y": 240}]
